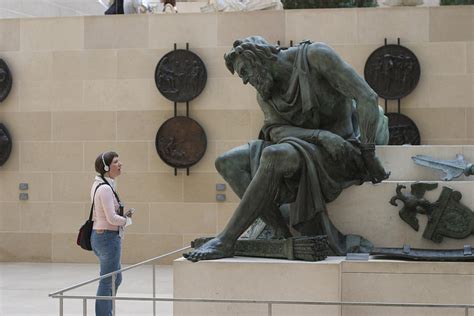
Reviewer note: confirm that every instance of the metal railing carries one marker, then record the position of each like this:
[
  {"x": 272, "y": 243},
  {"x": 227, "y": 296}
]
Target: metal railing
[{"x": 270, "y": 303}]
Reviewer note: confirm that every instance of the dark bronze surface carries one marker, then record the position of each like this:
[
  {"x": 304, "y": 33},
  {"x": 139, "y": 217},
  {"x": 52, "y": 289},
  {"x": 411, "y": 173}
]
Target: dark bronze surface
[
  {"x": 181, "y": 142},
  {"x": 402, "y": 130},
  {"x": 180, "y": 75},
  {"x": 315, "y": 248},
  {"x": 447, "y": 217},
  {"x": 5, "y": 144},
  {"x": 5, "y": 80},
  {"x": 423, "y": 254},
  {"x": 393, "y": 71}
]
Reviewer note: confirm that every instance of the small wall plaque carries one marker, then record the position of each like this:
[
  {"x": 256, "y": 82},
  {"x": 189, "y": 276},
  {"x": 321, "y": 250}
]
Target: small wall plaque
[
  {"x": 220, "y": 197},
  {"x": 23, "y": 196},
  {"x": 220, "y": 187},
  {"x": 23, "y": 186}
]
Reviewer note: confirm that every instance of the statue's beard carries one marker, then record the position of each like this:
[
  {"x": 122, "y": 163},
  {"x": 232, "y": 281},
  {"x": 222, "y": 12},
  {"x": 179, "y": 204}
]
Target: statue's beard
[{"x": 264, "y": 83}]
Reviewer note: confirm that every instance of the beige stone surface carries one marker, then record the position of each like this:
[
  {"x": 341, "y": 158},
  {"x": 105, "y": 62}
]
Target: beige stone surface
[
  {"x": 10, "y": 35},
  {"x": 453, "y": 23},
  {"x": 52, "y": 33},
  {"x": 183, "y": 218},
  {"x": 139, "y": 63},
  {"x": 28, "y": 125},
  {"x": 400, "y": 311},
  {"x": 398, "y": 160},
  {"x": 68, "y": 217},
  {"x": 64, "y": 249},
  {"x": 35, "y": 247},
  {"x": 34, "y": 66},
  {"x": 120, "y": 31},
  {"x": 357, "y": 212},
  {"x": 166, "y": 29},
  {"x": 151, "y": 187},
  {"x": 242, "y": 273},
  {"x": 420, "y": 288},
  {"x": 140, "y": 247},
  {"x": 216, "y": 124},
  {"x": 75, "y": 126},
  {"x": 429, "y": 121},
  {"x": 140, "y": 125},
  {"x": 51, "y": 156},
  {"x": 10, "y": 214},
  {"x": 409, "y": 24},
  {"x": 332, "y": 26},
  {"x": 13, "y": 162},
  {"x": 39, "y": 184},
  {"x": 72, "y": 187},
  {"x": 36, "y": 217},
  {"x": 440, "y": 58},
  {"x": 224, "y": 212},
  {"x": 268, "y": 24},
  {"x": 36, "y": 95}
]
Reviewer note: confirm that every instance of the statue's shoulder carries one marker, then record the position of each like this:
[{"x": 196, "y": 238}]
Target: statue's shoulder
[{"x": 320, "y": 48}]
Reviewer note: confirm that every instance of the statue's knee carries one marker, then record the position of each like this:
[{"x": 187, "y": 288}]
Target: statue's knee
[
  {"x": 283, "y": 158},
  {"x": 272, "y": 155},
  {"x": 221, "y": 163}
]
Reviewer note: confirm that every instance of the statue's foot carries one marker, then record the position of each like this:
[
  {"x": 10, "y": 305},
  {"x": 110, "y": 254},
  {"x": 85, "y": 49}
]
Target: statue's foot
[{"x": 213, "y": 249}]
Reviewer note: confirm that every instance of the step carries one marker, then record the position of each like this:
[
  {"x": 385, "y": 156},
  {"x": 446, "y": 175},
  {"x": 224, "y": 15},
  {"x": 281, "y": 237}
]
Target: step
[{"x": 397, "y": 159}]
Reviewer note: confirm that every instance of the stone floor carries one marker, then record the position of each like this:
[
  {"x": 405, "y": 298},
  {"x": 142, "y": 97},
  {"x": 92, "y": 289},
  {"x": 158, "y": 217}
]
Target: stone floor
[{"x": 24, "y": 289}]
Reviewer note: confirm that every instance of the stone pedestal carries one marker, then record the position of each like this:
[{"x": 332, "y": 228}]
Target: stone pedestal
[{"x": 332, "y": 280}]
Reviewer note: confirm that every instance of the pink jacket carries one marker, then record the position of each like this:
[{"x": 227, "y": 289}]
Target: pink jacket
[{"x": 106, "y": 207}]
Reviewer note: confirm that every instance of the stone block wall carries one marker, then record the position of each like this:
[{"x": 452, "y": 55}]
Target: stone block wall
[{"x": 83, "y": 85}]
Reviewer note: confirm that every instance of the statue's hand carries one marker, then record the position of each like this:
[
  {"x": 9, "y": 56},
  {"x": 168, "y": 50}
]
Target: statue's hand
[
  {"x": 334, "y": 144},
  {"x": 376, "y": 171}
]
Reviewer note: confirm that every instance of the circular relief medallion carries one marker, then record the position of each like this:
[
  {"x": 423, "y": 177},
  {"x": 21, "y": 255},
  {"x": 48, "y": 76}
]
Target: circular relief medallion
[
  {"x": 181, "y": 142},
  {"x": 180, "y": 75},
  {"x": 5, "y": 144},
  {"x": 5, "y": 80},
  {"x": 393, "y": 71},
  {"x": 402, "y": 130}
]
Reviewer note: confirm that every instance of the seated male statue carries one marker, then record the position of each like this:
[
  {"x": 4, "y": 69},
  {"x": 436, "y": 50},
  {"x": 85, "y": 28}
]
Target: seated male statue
[{"x": 322, "y": 122}]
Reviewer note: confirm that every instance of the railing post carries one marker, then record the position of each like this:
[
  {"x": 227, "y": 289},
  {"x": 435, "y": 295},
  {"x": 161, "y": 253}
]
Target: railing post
[
  {"x": 113, "y": 293},
  {"x": 269, "y": 309},
  {"x": 61, "y": 306},
  {"x": 84, "y": 307},
  {"x": 154, "y": 290}
]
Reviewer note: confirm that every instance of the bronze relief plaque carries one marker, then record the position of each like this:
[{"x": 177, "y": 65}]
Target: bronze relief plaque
[
  {"x": 181, "y": 142},
  {"x": 402, "y": 130},
  {"x": 5, "y": 144},
  {"x": 5, "y": 80},
  {"x": 393, "y": 71},
  {"x": 180, "y": 75}
]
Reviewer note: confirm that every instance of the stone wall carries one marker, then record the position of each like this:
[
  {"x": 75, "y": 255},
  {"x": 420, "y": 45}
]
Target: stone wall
[{"x": 83, "y": 85}]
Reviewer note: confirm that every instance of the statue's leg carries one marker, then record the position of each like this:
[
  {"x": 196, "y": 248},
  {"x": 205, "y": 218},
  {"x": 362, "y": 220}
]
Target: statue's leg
[
  {"x": 276, "y": 163},
  {"x": 234, "y": 167}
]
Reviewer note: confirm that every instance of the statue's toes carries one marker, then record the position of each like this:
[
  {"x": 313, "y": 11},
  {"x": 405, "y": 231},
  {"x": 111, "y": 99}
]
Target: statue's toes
[{"x": 186, "y": 255}]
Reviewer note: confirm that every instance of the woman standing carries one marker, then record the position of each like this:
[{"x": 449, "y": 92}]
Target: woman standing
[{"x": 109, "y": 221}]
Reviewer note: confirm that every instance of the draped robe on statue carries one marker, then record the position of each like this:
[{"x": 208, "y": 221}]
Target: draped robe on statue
[{"x": 321, "y": 179}]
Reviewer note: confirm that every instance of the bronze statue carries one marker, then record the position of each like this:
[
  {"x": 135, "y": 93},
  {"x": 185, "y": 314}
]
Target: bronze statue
[{"x": 322, "y": 122}]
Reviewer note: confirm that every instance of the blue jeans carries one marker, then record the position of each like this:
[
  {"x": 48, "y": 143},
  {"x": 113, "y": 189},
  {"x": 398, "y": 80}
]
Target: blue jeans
[{"x": 107, "y": 247}]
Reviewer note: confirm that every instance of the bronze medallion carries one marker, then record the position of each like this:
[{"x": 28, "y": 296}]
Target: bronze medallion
[
  {"x": 181, "y": 142},
  {"x": 180, "y": 75},
  {"x": 5, "y": 80},
  {"x": 5, "y": 144},
  {"x": 393, "y": 71},
  {"x": 402, "y": 130}
]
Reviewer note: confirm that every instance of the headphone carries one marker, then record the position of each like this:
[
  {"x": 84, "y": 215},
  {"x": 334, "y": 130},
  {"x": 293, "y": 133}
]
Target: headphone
[{"x": 106, "y": 168}]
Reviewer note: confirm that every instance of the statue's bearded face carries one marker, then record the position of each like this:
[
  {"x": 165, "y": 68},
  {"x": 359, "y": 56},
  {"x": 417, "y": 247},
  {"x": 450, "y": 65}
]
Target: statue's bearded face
[{"x": 256, "y": 74}]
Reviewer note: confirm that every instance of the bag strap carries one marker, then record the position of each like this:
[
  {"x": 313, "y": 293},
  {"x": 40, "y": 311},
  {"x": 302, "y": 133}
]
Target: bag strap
[
  {"x": 93, "y": 200},
  {"x": 115, "y": 193}
]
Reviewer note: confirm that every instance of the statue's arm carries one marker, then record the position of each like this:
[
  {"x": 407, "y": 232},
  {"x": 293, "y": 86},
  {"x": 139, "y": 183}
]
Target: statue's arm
[
  {"x": 342, "y": 77},
  {"x": 276, "y": 128}
]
